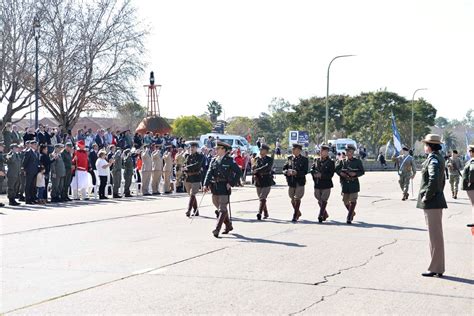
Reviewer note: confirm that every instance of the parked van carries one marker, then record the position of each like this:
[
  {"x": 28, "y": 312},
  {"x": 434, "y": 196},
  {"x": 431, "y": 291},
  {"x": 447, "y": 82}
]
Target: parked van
[
  {"x": 235, "y": 141},
  {"x": 340, "y": 144}
]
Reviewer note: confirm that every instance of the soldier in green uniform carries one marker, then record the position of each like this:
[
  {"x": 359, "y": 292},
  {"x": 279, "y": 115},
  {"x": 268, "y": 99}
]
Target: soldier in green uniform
[
  {"x": 117, "y": 174},
  {"x": 295, "y": 171},
  {"x": 222, "y": 175},
  {"x": 2, "y": 169},
  {"x": 13, "y": 161},
  {"x": 349, "y": 170},
  {"x": 323, "y": 171},
  {"x": 468, "y": 178},
  {"x": 263, "y": 179},
  {"x": 128, "y": 166},
  {"x": 192, "y": 170},
  {"x": 431, "y": 200},
  {"x": 67, "y": 159},
  {"x": 406, "y": 171},
  {"x": 7, "y": 135},
  {"x": 454, "y": 170},
  {"x": 58, "y": 173}
]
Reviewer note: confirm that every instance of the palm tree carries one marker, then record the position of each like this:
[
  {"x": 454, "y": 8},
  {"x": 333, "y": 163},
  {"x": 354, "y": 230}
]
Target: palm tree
[
  {"x": 214, "y": 109},
  {"x": 450, "y": 140}
]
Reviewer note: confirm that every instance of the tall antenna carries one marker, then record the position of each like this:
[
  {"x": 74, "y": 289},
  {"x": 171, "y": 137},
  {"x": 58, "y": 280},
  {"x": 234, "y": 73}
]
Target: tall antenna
[{"x": 153, "y": 91}]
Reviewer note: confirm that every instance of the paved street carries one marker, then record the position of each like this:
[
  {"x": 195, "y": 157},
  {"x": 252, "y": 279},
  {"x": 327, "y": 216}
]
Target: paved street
[{"x": 143, "y": 255}]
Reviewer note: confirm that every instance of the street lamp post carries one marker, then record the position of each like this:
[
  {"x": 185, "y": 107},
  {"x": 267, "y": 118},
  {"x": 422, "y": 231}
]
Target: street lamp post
[
  {"x": 413, "y": 117},
  {"x": 36, "y": 29},
  {"x": 327, "y": 98}
]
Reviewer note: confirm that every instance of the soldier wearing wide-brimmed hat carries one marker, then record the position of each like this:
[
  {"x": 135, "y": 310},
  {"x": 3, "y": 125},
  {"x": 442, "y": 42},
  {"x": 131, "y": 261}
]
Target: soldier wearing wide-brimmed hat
[
  {"x": 406, "y": 170},
  {"x": 295, "y": 171},
  {"x": 349, "y": 170},
  {"x": 322, "y": 172},
  {"x": 222, "y": 175},
  {"x": 431, "y": 200},
  {"x": 468, "y": 178},
  {"x": 263, "y": 178},
  {"x": 193, "y": 162}
]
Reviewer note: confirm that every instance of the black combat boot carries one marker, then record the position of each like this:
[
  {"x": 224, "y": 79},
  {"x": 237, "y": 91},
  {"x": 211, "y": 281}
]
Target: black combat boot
[
  {"x": 260, "y": 210},
  {"x": 190, "y": 206},
  {"x": 323, "y": 215},
  {"x": 196, "y": 210},
  {"x": 265, "y": 210},
  {"x": 220, "y": 221},
  {"x": 298, "y": 212},
  {"x": 12, "y": 202},
  {"x": 228, "y": 224},
  {"x": 295, "y": 215},
  {"x": 352, "y": 213}
]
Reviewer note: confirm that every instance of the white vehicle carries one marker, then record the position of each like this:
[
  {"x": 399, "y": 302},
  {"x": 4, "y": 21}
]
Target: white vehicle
[
  {"x": 235, "y": 141},
  {"x": 341, "y": 143}
]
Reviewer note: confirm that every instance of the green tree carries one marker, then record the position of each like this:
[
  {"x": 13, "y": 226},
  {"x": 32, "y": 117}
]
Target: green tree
[
  {"x": 450, "y": 140},
  {"x": 441, "y": 122},
  {"x": 214, "y": 109},
  {"x": 241, "y": 125},
  {"x": 191, "y": 126},
  {"x": 130, "y": 114}
]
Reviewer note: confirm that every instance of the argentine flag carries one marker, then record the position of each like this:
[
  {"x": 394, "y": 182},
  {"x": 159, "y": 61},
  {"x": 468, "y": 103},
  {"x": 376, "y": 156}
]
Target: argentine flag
[{"x": 397, "y": 141}]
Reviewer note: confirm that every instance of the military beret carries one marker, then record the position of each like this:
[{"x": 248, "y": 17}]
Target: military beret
[
  {"x": 223, "y": 145},
  {"x": 296, "y": 145},
  {"x": 350, "y": 147},
  {"x": 324, "y": 147},
  {"x": 264, "y": 147}
]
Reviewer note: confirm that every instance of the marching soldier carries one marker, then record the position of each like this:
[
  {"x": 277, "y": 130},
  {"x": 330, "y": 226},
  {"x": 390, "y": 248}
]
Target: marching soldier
[
  {"x": 128, "y": 167},
  {"x": 295, "y": 171},
  {"x": 13, "y": 161},
  {"x": 406, "y": 171},
  {"x": 67, "y": 159},
  {"x": 349, "y": 170},
  {"x": 117, "y": 174},
  {"x": 157, "y": 170},
  {"x": 322, "y": 172},
  {"x": 454, "y": 168},
  {"x": 263, "y": 179},
  {"x": 192, "y": 170},
  {"x": 2, "y": 169},
  {"x": 222, "y": 175},
  {"x": 58, "y": 174}
]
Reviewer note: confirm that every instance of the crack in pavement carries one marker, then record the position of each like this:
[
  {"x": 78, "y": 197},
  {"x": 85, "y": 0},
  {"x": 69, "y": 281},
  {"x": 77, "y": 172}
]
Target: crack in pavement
[
  {"x": 318, "y": 301},
  {"x": 455, "y": 214},
  {"x": 340, "y": 271}
]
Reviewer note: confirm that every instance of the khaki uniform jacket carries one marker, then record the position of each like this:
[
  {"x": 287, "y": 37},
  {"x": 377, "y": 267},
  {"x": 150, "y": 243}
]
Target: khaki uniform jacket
[
  {"x": 146, "y": 161},
  {"x": 406, "y": 165},
  {"x": 13, "y": 161},
  {"x": 157, "y": 164},
  {"x": 432, "y": 183},
  {"x": 168, "y": 158}
]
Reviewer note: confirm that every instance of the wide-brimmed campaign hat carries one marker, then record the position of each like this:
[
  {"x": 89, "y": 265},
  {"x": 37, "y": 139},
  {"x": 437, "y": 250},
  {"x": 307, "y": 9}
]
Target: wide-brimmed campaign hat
[{"x": 432, "y": 139}]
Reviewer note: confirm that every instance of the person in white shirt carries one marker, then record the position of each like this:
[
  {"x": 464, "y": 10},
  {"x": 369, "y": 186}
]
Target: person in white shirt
[{"x": 103, "y": 170}]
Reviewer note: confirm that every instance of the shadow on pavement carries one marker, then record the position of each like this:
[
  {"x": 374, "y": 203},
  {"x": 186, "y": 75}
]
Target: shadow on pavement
[
  {"x": 456, "y": 279},
  {"x": 267, "y": 241},
  {"x": 369, "y": 225}
]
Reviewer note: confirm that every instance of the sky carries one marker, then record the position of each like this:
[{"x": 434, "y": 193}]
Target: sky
[{"x": 243, "y": 53}]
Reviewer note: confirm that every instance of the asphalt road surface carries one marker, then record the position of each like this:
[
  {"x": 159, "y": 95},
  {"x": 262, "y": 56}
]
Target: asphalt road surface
[{"x": 142, "y": 255}]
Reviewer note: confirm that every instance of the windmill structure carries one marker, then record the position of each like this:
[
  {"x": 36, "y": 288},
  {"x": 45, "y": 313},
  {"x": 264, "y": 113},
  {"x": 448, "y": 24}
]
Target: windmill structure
[{"x": 153, "y": 122}]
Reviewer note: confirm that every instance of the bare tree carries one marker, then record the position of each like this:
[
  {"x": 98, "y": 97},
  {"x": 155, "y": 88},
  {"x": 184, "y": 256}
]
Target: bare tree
[
  {"x": 16, "y": 58},
  {"x": 91, "y": 51}
]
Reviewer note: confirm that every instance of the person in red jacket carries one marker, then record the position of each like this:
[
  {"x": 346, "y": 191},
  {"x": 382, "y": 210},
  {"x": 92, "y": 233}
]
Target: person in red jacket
[
  {"x": 80, "y": 162},
  {"x": 240, "y": 161}
]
